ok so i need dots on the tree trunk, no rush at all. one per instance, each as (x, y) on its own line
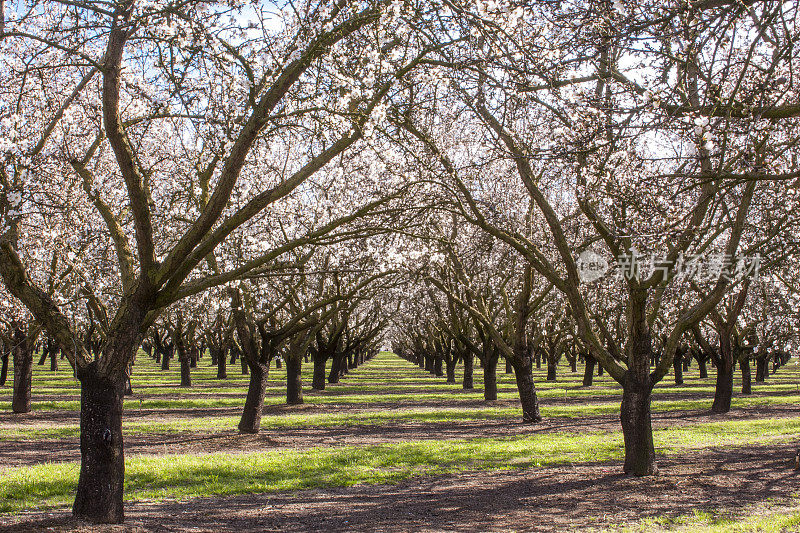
(490, 379)
(23, 373)
(701, 365)
(746, 376)
(677, 367)
(637, 430)
(527, 392)
(294, 380)
(438, 371)
(336, 365)
(99, 495)
(724, 386)
(551, 370)
(186, 372)
(54, 360)
(318, 381)
(428, 363)
(588, 371)
(450, 367)
(254, 403)
(509, 368)
(165, 360)
(469, 361)
(4, 369)
(762, 369)
(222, 365)
(245, 369)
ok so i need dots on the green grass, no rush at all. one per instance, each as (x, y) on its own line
(769, 519)
(194, 475)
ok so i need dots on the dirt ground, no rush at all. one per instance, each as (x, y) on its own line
(726, 481)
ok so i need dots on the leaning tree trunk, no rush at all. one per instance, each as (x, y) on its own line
(469, 361)
(294, 380)
(254, 403)
(637, 430)
(318, 380)
(336, 368)
(23, 374)
(527, 391)
(490, 379)
(588, 370)
(99, 494)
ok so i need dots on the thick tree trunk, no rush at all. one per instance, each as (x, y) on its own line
(469, 361)
(165, 360)
(54, 360)
(243, 361)
(222, 365)
(701, 365)
(23, 374)
(318, 381)
(762, 369)
(509, 367)
(438, 371)
(450, 367)
(551, 370)
(429, 363)
(588, 370)
(746, 376)
(186, 372)
(99, 494)
(677, 367)
(254, 403)
(724, 386)
(294, 380)
(336, 368)
(573, 365)
(637, 430)
(527, 392)
(490, 379)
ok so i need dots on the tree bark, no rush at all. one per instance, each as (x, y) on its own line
(551, 370)
(294, 380)
(4, 368)
(99, 495)
(318, 381)
(186, 372)
(677, 367)
(637, 430)
(527, 392)
(724, 386)
(438, 371)
(254, 403)
(746, 375)
(490, 379)
(23, 373)
(588, 371)
(450, 367)
(469, 361)
(222, 365)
